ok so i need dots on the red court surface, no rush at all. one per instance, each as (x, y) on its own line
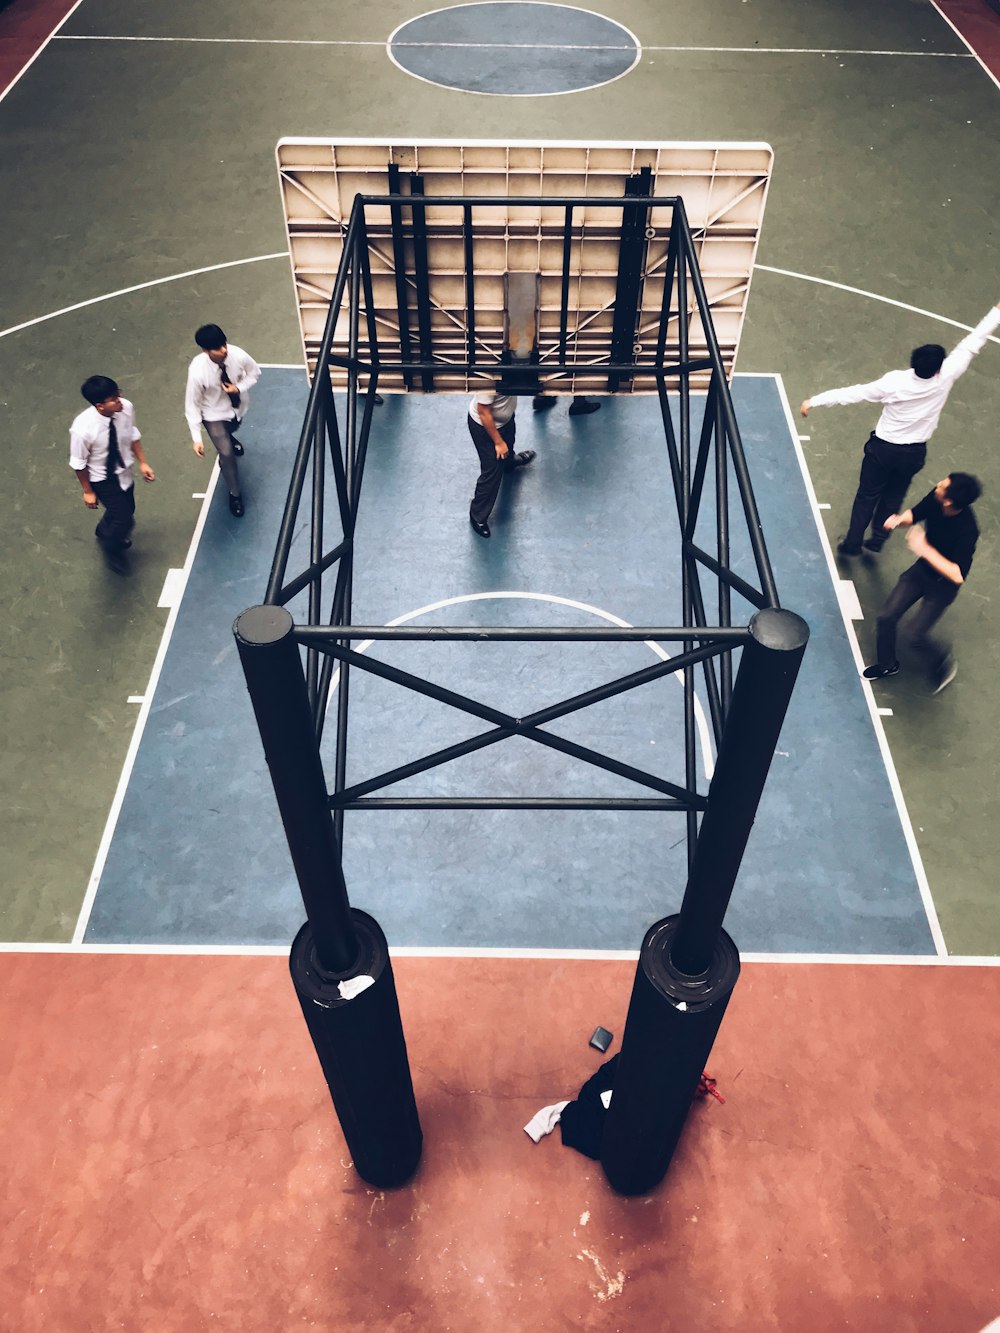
(179, 1165)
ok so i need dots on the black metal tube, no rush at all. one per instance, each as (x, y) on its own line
(671, 1027)
(564, 295)
(302, 580)
(421, 274)
(753, 595)
(362, 1052)
(729, 635)
(422, 765)
(422, 202)
(399, 265)
(651, 369)
(722, 530)
(470, 285)
(517, 803)
(768, 667)
(273, 670)
(307, 437)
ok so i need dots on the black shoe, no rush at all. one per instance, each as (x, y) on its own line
(379, 400)
(123, 546)
(873, 544)
(579, 407)
(542, 402)
(480, 529)
(238, 449)
(844, 549)
(236, 506)
(523, 458)
(880, 672)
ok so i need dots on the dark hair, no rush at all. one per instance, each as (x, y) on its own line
(209, 337)
(963, 489)
(97, 388)
(927, 360)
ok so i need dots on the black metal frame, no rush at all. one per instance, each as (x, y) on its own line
(690, 462)
(687, 965)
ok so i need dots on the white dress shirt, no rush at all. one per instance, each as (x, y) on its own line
(912, 406)
(502, 406)
(206, 400)
(88, 443)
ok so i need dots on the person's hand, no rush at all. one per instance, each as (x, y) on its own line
(90, 499)
(199, 447)
(147, 472)
(229, 388)
(893, 521)
(916, 540)
(806, 405)
(502, 450)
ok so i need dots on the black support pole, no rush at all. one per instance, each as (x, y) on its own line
(358, 1037)
(688, 965)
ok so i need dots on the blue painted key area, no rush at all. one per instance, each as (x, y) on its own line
(199, 854)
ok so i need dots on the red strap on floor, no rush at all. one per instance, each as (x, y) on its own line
(706, 1088)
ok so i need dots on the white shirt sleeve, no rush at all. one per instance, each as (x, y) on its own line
(79, 450)
(957, 362)
(192, 402)
(875, 392)
(246, 372)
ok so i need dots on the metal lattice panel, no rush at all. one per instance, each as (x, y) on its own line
(723, 186)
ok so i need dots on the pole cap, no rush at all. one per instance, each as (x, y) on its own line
(260, 626)
(780, 630)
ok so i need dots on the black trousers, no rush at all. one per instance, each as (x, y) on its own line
(491, 468)
(886, 472)
(935, 594)
(118, 518)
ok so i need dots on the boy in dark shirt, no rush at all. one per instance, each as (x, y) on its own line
(945, 548)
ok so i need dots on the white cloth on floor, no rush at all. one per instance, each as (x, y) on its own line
(544, 1121)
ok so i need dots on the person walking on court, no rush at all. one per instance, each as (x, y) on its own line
(104, 442)
(492, 427)
(219, 380)
(945, 547)
(896, 449)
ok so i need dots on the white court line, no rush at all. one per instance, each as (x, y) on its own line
(872, 296)
(173, 589)
(524, 955)
(140, 722)
(822, 506)
(972, 51)
(24, 68)
(517, 46)
(847, 596)
(880, 736)
(139, 287)
(136, 699)
(885, 712)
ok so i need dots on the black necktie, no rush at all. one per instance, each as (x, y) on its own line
(115, 460)
(234, 397)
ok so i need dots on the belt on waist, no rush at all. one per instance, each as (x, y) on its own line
(899, 444)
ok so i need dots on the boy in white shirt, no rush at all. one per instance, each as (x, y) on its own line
(104, 442)
(218, 385)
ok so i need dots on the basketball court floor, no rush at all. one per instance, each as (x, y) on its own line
(173, 1158)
